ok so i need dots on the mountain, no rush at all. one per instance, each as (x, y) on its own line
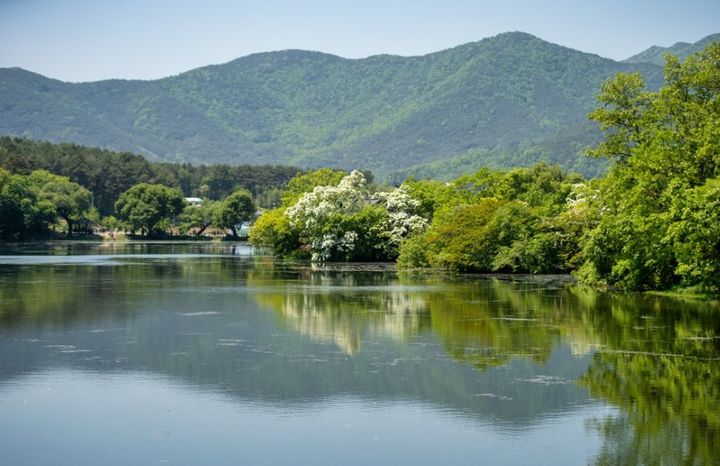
(656, 54)
(514, 98)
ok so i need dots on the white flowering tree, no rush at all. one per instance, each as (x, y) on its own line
(345, 222)
(314, 209)
(403, 218)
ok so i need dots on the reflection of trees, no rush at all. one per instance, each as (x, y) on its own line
(489, 323)
(660, 365)
(64, 293)
(340, 307)
(657, 357)
(39, 294)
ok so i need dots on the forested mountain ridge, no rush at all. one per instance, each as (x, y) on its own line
(682, 50)
(513, 98)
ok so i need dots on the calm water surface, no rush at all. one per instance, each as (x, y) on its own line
(199, 353)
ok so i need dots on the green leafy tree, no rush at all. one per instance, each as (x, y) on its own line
(107, 174)
(306, 182)
(665, 146)
(695, 235)
(149, 207)
(197, 218)
(69, 200)
(522, 220)
(16, 200)
(235, 209)
(272, 229)
(23, 213)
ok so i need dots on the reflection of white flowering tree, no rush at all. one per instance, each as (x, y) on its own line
(345, 222)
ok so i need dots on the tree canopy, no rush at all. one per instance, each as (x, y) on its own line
(235, 209)
(658, 219)
(30, 205)
(149, 207)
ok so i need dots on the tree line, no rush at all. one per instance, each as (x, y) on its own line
(652, 222)
(107, 174)
(42, 204)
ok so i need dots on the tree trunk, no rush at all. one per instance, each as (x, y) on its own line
(202, 229)
(69, 226)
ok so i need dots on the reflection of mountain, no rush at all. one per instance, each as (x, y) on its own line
(205, 321)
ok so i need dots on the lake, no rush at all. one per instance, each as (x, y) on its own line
(213, 353)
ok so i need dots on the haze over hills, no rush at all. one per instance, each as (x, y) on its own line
(508, 100)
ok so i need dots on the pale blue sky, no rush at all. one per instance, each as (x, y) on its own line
(85, 40)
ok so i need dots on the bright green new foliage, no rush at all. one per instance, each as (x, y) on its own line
(658, 218)
(695, 235)
(525, 220)
(30, 204)
(234, 210)
(69, 200)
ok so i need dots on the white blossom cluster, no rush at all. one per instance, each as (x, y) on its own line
(314, 208)
(314, 213)
(403, 219)
(580, 197)
(323, 247)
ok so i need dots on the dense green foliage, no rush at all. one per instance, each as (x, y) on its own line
(517, 221)
(523, 220)
(328, 216)
(235, 209)
(149, 208)
(145, 196)
(107, 174)
(519, 98)
(653, 222)
(30, 205)
(659, 221)
(36, 205)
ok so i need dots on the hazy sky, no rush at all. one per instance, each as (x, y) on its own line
(85, 40)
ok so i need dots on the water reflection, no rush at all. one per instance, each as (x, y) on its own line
(511, 352)
(342, 307)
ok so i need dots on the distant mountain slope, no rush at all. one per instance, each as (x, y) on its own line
(656, 54)
(508, 96)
